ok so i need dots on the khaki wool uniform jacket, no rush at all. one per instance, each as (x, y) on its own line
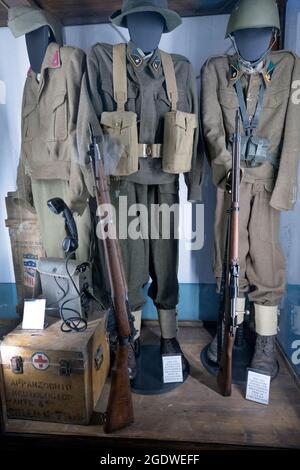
(264, 190)
(148, 98)
(279, 120)
(49, 118)
(48, 165)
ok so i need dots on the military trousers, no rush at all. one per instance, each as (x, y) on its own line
(52, 226)
(149, 251)
(262, 264)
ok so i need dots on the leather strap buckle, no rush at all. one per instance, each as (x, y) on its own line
(150, 151)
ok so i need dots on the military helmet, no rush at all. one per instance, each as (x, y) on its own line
(249, 14)
(172, 19)
(23, 19)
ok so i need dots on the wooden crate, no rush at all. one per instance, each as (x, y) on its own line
(26, 247)
(53, 376)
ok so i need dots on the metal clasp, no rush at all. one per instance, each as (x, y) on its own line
(17, 365)
(65, 368)
(149, 151)
(98, 359)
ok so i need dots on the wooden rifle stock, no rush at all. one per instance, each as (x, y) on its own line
(119, 412)
(224, 378)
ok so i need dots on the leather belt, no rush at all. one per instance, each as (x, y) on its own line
(150, 150)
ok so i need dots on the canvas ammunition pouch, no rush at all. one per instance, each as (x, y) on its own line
(179, 127)
(177, 149)
(254, 150)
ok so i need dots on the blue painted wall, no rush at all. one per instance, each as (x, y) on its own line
(8, 300)
(289, 333)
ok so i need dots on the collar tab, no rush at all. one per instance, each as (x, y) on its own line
(156, 62)
(135, 55)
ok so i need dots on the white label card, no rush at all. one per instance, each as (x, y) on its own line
(172, 369)
(34, 314)
(258, 387)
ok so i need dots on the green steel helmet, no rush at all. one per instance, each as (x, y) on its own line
(249, 14)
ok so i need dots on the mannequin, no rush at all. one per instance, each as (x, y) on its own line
(270, 146)
(37, 42)
(148, 84)
(253, 43)
(145, 30)
(48, 165)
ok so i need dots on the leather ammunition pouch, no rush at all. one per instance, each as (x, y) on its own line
(177, 149)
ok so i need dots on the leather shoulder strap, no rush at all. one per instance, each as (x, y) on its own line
(250, 126)
(170, 76)
(120, 75)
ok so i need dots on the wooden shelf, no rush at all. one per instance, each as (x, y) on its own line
(77, 12)
(194, 413)
(98, 11)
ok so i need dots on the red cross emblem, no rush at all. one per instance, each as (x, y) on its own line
(40, 361)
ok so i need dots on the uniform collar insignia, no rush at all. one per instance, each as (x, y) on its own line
(156, 61)
(55, 59)
(139, 59)
(268, 72)
(52, 58)
(135, 55)
(234, 71)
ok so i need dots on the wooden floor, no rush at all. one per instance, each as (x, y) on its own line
(196, 413)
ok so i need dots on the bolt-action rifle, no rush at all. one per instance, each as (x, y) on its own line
(231, 270)
(119, 411)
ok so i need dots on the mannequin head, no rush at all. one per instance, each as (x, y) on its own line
(37, 42)
(253, 43)
(146, 29)
(251, 24)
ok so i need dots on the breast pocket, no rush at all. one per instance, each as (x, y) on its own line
(228, 99)
(276, 99)
(30, 121)
(59, 118)
(229, 105)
